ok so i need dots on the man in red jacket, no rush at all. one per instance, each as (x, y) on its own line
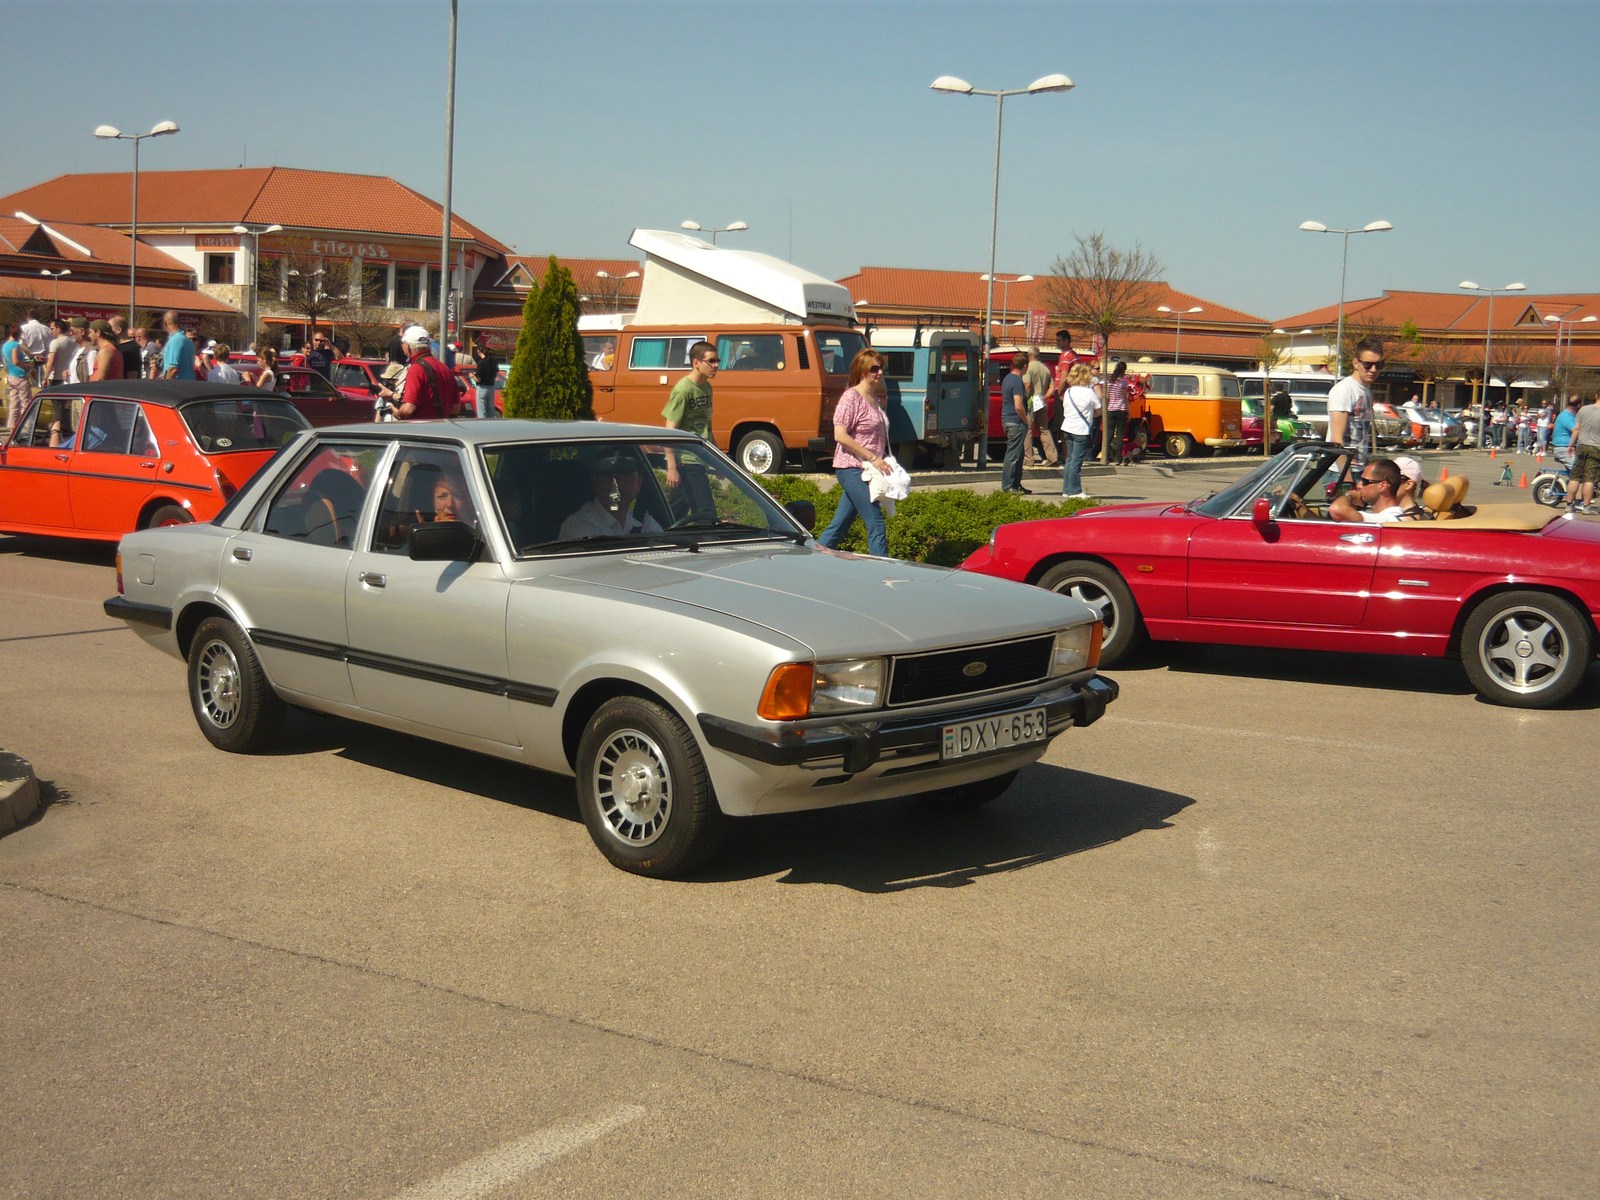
(430, 393)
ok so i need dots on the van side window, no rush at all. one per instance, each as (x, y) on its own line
(750, 352)
(804, 357)
(1230, 387)
(1182, 385)
(899, 365)
(1252, 387)
(661, 353)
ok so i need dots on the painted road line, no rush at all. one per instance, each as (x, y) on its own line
(489, 1172)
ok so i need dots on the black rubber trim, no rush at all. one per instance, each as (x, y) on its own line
(145, 614)
(157, 481)
(527, 693)
(862, 741)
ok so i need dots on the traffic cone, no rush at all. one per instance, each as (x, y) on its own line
(1444, 473)
(1523, 482)
(1491, 452)
(1539, 457)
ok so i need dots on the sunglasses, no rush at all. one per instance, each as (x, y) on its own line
(1369, 366)
(1365, 482)
(874, 370)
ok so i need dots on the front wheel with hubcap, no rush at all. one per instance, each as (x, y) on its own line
(1526, 649)
(1178, 445)
(233, 702)
(760, 452)
(1550, 490)
(1102, 589)
(643, 789)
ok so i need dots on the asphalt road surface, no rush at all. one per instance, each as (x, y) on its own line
(1280, 924)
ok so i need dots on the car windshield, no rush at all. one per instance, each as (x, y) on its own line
(1308, 474)
(230, 426)
(586, 496)
(1220, 504)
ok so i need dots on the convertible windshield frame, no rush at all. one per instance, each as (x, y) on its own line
(781, 525)
(1293, 464)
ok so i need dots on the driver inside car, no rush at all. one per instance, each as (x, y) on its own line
(610, 513)
(1375, 498)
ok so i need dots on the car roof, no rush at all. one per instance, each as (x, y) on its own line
(478, 431)
(169, 393)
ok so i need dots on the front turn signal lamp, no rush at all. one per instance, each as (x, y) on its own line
(787, 696)
(1078, 648)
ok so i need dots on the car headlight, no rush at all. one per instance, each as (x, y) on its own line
(847, 685)
(1077, 649)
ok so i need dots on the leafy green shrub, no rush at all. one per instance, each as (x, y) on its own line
(549, 376)
(937, 527)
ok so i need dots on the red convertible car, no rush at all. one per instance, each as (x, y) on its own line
(1513, 590)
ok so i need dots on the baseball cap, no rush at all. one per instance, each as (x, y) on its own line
(1410, 468)
(415, 335)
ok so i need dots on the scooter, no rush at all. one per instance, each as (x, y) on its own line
(1550, 487)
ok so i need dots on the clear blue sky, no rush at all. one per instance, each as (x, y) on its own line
(1207, 131)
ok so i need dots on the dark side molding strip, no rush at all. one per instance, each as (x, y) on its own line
(131, 610)
(409, 668)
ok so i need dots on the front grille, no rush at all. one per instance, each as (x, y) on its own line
(917, 678)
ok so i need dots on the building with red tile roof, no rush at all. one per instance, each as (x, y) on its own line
(605, 285)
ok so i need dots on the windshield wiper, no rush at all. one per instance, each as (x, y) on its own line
(597, 541)
(699, 526)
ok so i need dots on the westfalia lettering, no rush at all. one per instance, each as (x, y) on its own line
(350, 249)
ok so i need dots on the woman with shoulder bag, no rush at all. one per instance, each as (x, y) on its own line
(861, 436)
(1079, 403)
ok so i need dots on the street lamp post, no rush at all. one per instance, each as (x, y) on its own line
(1180, 313)
(58, 274)
(617, 296)
(1344, 260)
(109, 133)
(736, 227)
(255, 268)
(1561, 324)
(952, 86)
(1005, 294)
(1488, 333)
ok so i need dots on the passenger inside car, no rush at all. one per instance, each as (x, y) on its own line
(609, 513)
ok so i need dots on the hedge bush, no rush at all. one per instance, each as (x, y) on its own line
(938, 527)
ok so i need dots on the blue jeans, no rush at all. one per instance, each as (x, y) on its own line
(1016, 443)
(485, 400)
(856, 500)
(1077, 451)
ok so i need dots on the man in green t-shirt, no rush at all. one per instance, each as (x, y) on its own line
(689, 405)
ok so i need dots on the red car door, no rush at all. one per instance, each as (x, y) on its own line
(114, 467)
(33, 473)
(1296, 572)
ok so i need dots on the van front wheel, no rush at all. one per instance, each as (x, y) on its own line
(1178, 445)
(760, 452)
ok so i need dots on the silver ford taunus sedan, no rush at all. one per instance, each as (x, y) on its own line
(615, 602)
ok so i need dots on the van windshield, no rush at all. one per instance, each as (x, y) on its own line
(838, 348)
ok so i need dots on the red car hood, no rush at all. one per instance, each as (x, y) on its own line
(1153, 508)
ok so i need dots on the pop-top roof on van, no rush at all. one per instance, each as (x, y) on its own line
(688, 281)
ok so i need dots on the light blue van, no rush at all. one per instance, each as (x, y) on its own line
(934, 381)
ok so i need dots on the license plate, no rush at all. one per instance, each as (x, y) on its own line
(994, 733)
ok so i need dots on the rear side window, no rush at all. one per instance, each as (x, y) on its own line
(320, 504)
(661, 353)
(751, 352)
(108, 428)
(899, 365)
(1175, 385)
(1230, 387)
(229, 426)
(804, 357)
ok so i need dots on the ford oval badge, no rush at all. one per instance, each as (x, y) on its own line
(973, 669)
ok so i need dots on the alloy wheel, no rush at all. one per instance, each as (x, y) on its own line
(1523, 649)
(633, 786)
(218, 682)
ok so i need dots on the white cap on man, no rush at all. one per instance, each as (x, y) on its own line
(415, 335)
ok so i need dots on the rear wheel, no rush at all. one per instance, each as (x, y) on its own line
(1178, 445)
(1102, 589)
(169, 514)
(1526, 649)
(643, 789)
(233, 702)
(1549, 489)
(760, 452)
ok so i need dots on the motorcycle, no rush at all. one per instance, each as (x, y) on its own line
(1550, 487)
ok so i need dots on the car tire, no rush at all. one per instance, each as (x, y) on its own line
(233, 701)
(1178, 445)
(972, 795)
(760, 452)
(1102, 589)
(1526, 649)
(169, 514)
(644, 791)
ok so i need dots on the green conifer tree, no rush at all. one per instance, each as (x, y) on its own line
(549, 378)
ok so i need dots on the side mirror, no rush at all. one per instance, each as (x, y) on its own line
(803, 511)
(443, 541)
(1260, 513)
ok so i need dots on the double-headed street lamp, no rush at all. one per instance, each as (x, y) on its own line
(255, 233)
(1344, 259)
(617, 291)
(109, 133)
(952, 86)
(1005, 295)
(1561, 324)
(1180, 313)
(736, 227)
(56, 275)
(1488, 333)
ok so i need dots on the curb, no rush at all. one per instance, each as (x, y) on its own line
(19, 791)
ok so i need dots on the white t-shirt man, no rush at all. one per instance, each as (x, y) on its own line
(1393, 513)
(36, 337)
(1352, 396)
(595, 520)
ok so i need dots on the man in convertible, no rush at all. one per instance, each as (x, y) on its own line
(1376, 496)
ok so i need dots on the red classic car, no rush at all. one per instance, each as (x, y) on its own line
(1513, 590)
(99, 460)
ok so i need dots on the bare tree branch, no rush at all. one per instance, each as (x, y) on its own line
(1103, 289)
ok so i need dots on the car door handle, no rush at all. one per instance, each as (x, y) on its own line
(242, 553)
(149, 466)
(373, 579)
(63, 457)
(1356, 539)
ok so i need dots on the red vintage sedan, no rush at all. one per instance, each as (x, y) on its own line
(99, 460)
(1512, 591)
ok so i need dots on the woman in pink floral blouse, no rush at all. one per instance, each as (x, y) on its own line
(860, 435)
